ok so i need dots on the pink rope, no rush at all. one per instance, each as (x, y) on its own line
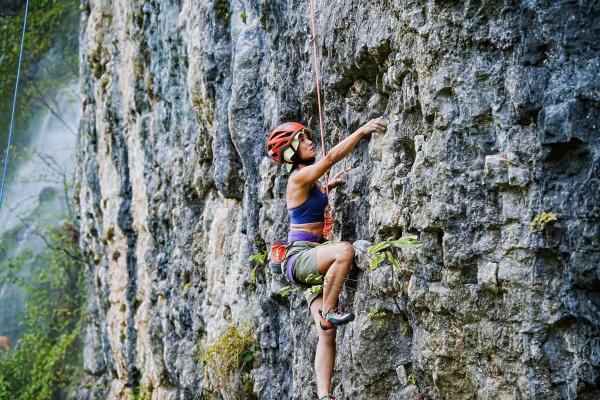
(328, 228)
(317, 72)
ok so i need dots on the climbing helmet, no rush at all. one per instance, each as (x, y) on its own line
(283, 141)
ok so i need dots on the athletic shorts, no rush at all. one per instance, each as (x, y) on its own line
(305, 267)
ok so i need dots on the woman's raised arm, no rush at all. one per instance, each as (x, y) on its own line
(310, 174)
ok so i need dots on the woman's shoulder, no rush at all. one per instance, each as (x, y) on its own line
(293, 183)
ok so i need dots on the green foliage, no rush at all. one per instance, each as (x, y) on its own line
(412, 379)
(222, 9)
(541, 221)
(228, 355)
(4, 388)
(382, 251)
(46, 20)
(51, 25)
(47, 362)
(259, 260)
(286, 290)
(141, 393)
(244, 16)
(380, 315)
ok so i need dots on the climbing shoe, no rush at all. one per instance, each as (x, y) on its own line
(334, 318)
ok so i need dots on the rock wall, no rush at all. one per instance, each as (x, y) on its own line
(493, 111)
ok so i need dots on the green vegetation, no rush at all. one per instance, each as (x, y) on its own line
(222, 9)
(228, 356)
(541, 221)
(380, 315)
(259, 260)
(52, 25)
(382, 251)
(141, 394)
(243, 16)
(47, 20)
(412, 379)
(287, 290)
(47, 362)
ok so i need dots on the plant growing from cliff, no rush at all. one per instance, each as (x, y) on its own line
(47, 363)
(287, 290)
(228, 356)
(259, 260)
(541, 221)
(380, 315)
(243, 16)
(382, 251)
(412, 379)
(222, 9)
(141, 393)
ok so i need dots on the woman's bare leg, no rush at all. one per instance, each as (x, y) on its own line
(325, 354)
(334, 262)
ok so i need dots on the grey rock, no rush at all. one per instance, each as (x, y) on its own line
(487, 276)
(493, 113)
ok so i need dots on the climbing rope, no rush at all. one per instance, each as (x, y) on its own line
(12, 117)
(328, 227)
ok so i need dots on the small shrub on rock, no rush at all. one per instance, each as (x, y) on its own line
(227, 357)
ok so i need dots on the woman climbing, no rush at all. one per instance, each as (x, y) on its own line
(312, 262)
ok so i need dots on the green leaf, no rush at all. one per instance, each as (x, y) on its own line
(259, 258)
(407, 242)
(377, 259)
(248, 357)
(253, 275)
(286, 290)
(376, 248)
(412, 379)
(392, 260)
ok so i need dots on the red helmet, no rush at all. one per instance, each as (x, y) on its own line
(281, 137)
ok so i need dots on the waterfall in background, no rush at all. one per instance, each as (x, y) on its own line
(38, 193)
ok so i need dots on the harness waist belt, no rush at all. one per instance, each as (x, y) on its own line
(300, 236)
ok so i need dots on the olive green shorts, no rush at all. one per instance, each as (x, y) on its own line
(305, 267)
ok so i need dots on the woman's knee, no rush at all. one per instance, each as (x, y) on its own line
(345, 252)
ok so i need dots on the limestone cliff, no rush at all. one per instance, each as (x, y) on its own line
(493, 109)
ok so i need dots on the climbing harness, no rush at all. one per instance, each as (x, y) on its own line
(12, 117)
(328, 227)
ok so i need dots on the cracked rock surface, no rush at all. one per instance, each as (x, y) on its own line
(494, 113)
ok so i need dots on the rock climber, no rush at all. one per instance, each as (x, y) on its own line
(311, 261)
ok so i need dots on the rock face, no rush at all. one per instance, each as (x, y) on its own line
(493, 110)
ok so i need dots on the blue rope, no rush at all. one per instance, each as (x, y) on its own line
(12, 118)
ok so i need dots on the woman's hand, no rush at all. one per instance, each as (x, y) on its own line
(336, 180)
(378, 125)
(308, 175)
